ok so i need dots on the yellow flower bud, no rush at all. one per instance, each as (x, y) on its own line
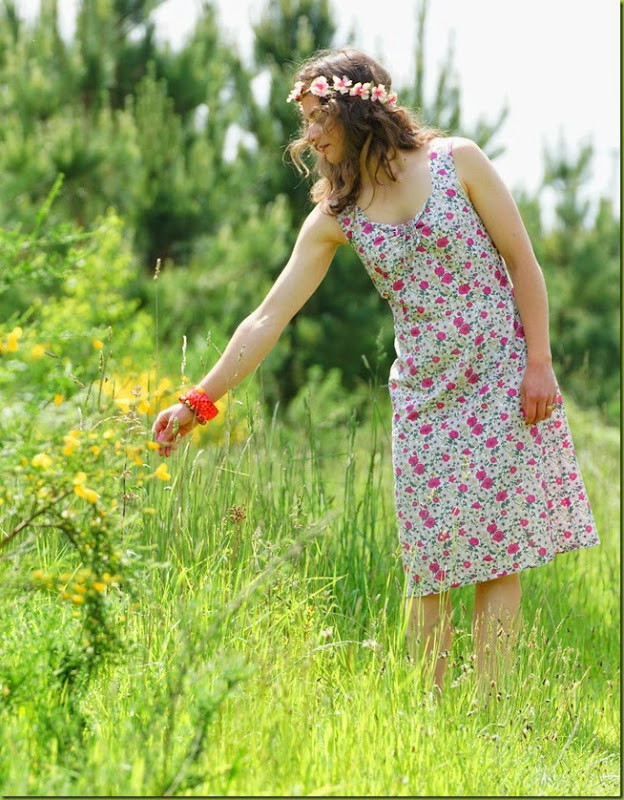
(41, 460)
(162, 472)
(86, 494)
(12, 340)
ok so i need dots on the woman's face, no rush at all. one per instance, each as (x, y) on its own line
(324, 133)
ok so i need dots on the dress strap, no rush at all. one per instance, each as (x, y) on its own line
(442, 164)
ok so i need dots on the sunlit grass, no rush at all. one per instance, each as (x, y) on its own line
(265, 654)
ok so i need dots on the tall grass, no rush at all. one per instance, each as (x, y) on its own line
(265, 652)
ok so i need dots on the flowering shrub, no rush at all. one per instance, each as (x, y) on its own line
(79, 393)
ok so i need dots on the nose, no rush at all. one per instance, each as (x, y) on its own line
(313, 133)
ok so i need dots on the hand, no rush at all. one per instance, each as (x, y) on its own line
(171, 425)
(538, 392)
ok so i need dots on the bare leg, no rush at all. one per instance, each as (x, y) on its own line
(430, 633)
(495, 626)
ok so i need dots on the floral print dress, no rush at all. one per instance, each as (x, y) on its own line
(478, 493)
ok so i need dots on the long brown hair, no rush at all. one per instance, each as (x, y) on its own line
(384, 128)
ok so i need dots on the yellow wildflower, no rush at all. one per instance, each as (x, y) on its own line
(12, 340)
(58, 399)
(98, 344)
(87, 494)
(95, 449)
(152, 445)
(80, 478)
(80, 589)
(124, 404)
(144, 407)
(71, 442)
(99, 587)
(162, 472)
(41, 460)
(37, 351)
(77, 599)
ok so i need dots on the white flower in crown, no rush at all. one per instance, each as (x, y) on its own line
(320, 86)
(296, 92)
(360, 90)
(379, 93)
(342, 84)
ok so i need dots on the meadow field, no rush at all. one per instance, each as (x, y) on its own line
(230, 621)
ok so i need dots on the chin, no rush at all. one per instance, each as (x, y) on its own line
(331, 158)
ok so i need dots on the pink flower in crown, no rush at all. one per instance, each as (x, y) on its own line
(360, 90)
(391, 98)
(295, 94)
(342, 84)
(379, 93)
(320, 86)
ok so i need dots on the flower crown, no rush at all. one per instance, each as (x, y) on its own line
(321, 88)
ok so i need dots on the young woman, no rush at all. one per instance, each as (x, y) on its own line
(486, 479)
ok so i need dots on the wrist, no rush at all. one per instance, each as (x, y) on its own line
(197, 401)
(539, 360)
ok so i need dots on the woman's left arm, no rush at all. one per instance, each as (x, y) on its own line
(503, 222)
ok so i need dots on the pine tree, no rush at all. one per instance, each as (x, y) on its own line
(581, 258)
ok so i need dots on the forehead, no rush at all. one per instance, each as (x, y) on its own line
(310, 105)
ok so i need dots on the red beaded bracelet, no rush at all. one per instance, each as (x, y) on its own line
(197, 400)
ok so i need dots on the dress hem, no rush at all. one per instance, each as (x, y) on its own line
(502, 574)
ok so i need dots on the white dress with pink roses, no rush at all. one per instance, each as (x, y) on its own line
(478, 494)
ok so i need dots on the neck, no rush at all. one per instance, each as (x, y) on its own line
(370, 173)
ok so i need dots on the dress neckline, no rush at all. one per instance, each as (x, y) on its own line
(412, 220)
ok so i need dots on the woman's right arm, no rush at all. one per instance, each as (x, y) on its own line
(256, 335)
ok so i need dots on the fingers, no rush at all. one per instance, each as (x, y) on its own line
(537, 410)
(170, 426)
(160, 423)
(528, 406)
(540, 410)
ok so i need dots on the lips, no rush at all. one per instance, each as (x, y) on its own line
(322, 148)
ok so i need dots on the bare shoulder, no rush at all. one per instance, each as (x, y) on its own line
(471, 163)
(467, 154)
(324, 227)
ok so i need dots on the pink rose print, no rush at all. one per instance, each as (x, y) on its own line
(478, 495)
